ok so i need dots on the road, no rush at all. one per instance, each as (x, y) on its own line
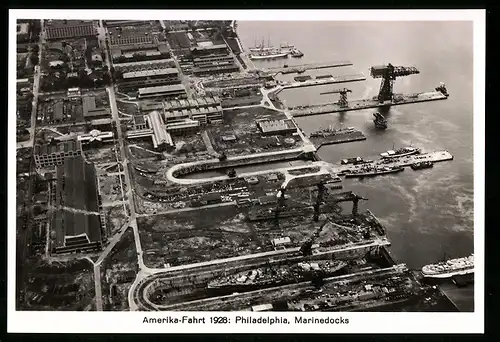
(129, 194)
(36, 92)
(182, 210)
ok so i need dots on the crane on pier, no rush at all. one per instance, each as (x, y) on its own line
(388, 74)
(343, 95)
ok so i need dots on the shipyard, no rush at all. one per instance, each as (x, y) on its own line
(161, 167)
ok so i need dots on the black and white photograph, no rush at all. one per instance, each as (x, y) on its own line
(266, 166)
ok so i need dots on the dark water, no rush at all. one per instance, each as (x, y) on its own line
(427, 213)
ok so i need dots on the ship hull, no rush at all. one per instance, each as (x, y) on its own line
(273, 283)
(448, 274)
(274, 56)
(372, 174)
(400, 155)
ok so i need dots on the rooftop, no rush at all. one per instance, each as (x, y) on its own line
(90, 107)
(65, 146)
(162, 89)
(154, 72)
(77, 189)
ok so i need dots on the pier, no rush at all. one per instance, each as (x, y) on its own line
(303, 67)
(437, 156)
(319, 141)
(322, 81)
(398, 99)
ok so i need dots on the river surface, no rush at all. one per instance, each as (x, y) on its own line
(427, 213)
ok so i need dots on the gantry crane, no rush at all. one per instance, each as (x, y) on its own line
(306, 248)
(343, 95)
(388, 74)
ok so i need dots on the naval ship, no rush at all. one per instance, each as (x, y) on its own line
(450, 268)
(332, 131)
(270, 275)
(372, 171)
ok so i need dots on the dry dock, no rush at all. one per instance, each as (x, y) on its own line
(435, 157)
(399, 99)
(303, 67)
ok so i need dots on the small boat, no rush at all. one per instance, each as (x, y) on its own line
(296, 53)
(379, 121)
(422, 165)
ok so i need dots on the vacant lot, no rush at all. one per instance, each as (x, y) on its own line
(59, 286)
(242, 124)
(118, 272)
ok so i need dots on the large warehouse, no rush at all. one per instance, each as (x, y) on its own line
(76, 220)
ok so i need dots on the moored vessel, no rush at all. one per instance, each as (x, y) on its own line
(332, 131)
(450, 268)
(422, 165)
(269, 54)
(296, 53)
(372, 171)
(379, 121)
(401, 152)
(275, 275)
(354, 160)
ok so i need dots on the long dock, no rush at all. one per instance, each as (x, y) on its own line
(303, 67)
(399, 99)
(437, 156)
(319, 141)
(322, 81)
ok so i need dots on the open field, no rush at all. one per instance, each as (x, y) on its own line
(118, 271)
(242, 124)
(59, 286)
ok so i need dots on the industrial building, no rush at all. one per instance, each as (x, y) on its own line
(76, 219)
(274, 127)
(161, 138)
(123, 50)
(208, 50)
(54, 154)
(133, 80)
(186, 126)
(95, 136)
(203, 109)
(145, 65)
(118, 23)
(91, 111)
(212, 60)
(174, 90)
(139, 122)
(63, 29)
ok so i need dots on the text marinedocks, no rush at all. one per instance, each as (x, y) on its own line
(245, 320)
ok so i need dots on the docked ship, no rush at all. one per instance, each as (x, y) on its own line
(332, 131)
(269, 54)
(422, 165)
(269, 51)
(442, 89)
(270, 275)
(354, 160)
(372, 171)
(402, 152)
(296, 53)
(450, 268)
(379, 121)
(259, 48)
